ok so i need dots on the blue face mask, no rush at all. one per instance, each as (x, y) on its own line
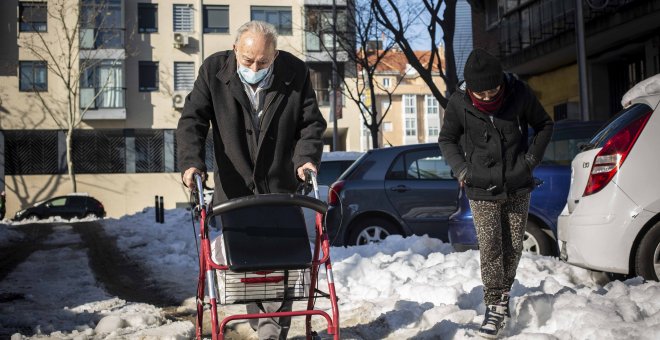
(250, 76)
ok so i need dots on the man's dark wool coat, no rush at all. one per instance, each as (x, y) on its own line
(248, 160)
(498, 157)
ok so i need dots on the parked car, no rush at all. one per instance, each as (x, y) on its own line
(398, 190)
(69, 206)
(410, 190)
(611, 220)
(548, 199)
(333, 164)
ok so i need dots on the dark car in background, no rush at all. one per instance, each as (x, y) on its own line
(410, 190)
(333, 164)
(67, 207)
(399, 190)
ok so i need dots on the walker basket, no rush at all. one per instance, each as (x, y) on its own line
(263, 286)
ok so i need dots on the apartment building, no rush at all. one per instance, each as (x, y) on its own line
(411, 113)
(537, 40)
(119, 71)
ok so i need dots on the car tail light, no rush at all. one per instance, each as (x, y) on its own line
(333, 193)
(610, 158)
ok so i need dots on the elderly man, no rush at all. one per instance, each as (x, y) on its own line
(266, 124)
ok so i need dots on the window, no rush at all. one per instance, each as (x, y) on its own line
(432, 118)
(388, 127)
(101, 84)
(420, 165)
(331, 170)
(101, 24)
(384, 106)
(280, 17)
(320, 75)
(148, 74)
(319, 28)
(386, 83)
(431, 105)
(184, 76)
(58, 202)
(33, 16)
(410, 118)
(147, 18)
(33, 76)
(216, 19)
(183, 18)
(493, 10)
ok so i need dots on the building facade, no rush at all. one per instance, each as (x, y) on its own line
(408, 111)
(462, 36)
(537, 40)
(118, 71)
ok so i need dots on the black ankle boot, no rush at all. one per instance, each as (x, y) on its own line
(494, 321)
(504, 301)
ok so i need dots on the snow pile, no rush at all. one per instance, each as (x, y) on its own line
(403, 288)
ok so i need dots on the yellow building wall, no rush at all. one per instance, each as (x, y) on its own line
(120, 194)
(556, 87)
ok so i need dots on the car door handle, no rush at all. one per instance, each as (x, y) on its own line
(400, 188)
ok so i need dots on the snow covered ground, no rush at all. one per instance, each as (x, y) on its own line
(412, 288)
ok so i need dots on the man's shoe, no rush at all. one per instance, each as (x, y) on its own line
(494, 321)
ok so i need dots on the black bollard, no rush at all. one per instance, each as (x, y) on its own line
(162, 210)
(157, 208)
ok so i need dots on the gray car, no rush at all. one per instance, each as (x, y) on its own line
(401, 190)
(333, 164)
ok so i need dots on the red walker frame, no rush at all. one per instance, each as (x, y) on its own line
(207, 267)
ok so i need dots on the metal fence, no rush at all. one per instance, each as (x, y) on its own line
(41, 152)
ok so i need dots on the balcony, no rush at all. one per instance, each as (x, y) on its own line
(103, 103)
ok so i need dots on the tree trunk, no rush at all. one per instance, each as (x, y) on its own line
(69, 158)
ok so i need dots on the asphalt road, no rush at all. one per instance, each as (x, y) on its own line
(113, 270)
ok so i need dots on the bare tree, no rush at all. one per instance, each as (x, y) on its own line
(82, 37)
(396, 16)
(363, 46)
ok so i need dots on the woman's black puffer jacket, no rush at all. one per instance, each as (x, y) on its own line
(494, 150)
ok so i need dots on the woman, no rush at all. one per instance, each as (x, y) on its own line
(485, 141)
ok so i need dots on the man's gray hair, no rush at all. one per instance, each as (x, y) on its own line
(256, 26)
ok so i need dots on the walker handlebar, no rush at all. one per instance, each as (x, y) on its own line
(270, 199)
(200, 188)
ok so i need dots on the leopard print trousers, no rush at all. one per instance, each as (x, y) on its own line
(500, 228)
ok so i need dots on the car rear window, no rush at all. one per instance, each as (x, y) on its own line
(618, 122)
(331, 170)
(76, 201)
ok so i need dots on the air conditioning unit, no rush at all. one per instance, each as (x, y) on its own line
(180, 39)
(178, 99)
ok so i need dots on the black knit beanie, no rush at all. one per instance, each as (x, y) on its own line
(483, 71)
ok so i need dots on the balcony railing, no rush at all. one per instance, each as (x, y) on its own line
(537, 21)
(93, 98)
(101, 38)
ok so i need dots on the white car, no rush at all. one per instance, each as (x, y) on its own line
(611, 222)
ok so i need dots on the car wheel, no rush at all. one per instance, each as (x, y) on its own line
(536, 241)
(371, 230)
(647, 259)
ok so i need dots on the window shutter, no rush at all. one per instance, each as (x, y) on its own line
(183, 18)
(184, 76)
